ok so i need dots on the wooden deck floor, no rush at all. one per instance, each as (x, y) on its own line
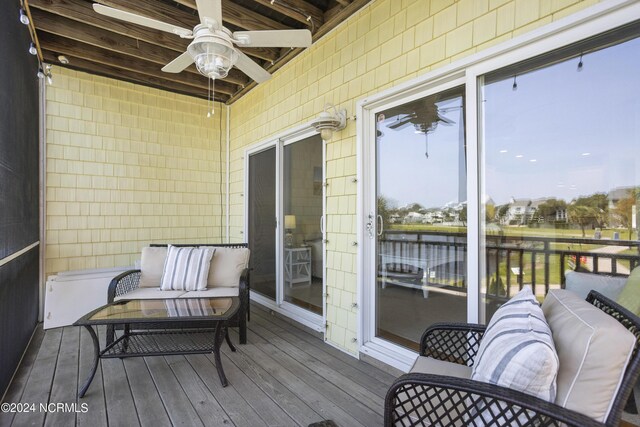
(283, 377)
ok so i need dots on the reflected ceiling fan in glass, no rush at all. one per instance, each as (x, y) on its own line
(424, 115)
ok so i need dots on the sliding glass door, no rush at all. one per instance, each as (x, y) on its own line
(417, 229)
(561, 167)
(302, 235)
(284, 222)
(262, 225)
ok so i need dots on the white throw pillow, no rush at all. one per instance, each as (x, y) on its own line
(517, 350)
(151, 266)
(186, 268)
(227, 266)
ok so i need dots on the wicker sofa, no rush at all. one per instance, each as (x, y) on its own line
(229, 276)
(439, 391)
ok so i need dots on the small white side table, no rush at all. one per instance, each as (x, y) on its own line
(297, 265)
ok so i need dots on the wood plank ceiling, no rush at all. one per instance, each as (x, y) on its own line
(101, 45)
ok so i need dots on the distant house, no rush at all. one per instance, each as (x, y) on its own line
(618, 194)
(518, 212)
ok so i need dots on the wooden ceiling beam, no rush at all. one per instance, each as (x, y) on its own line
(115, 42)
(163, 12)
(129, 76)
(81, 11)
(299, 10)
(330, 24)
(87, 52)
(241, 17)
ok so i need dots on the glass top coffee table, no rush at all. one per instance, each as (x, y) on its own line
(201, 323)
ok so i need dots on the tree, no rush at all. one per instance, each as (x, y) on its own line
(502, 211)
(582, 215)
(624, 208)
(462, 216)
(599, 203)
(384, 210)
(547, 209)
(490, 212)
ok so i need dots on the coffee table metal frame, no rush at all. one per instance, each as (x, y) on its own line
(191, 339)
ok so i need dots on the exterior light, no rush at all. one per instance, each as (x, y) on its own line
(32, 49)
(23, 17)
(328, 122)
(63, 59)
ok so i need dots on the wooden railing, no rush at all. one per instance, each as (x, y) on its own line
(511, 261)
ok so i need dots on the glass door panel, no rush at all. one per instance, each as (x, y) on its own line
(262, 222)
(302, 212)
(561, 177)
(420, 222)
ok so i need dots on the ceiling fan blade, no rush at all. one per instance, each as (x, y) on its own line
(210, 9)
(140, 20)
(274, 38)
(252, 69)
(178, 64)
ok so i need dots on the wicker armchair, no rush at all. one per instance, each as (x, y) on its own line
(129, 280)
(438, 400)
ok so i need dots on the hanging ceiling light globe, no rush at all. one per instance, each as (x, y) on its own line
(213, 55)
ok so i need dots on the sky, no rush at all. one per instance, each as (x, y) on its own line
(563, 133)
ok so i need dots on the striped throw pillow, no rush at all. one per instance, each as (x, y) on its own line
(517, 350)
(186, 268)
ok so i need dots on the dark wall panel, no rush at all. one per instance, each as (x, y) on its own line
(19, 181)
(18, 134)
(18, 311)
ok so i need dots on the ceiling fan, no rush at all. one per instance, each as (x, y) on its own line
(213, 48)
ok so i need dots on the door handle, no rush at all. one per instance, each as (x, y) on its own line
(381, 221)
(322, 224)
(369, 226)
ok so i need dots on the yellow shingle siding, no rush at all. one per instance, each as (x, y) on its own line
(128, 165)
(385, 43)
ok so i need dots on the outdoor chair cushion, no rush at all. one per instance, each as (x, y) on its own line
(156, 293)
(151, 266)
(629, 298)
(227, 266)
(593, 349)
(582, 283)
(429, 365)
(212, 292)
(517, 349)
(186, 268)
(150, 293)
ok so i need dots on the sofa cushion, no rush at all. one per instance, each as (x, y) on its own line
(212, 292)
(517, 349)
(227, 266)
(151, 266)
(582, 283)
(629, 298)
(186, 268)
(149, 293)
(429, 365)
(593, 349)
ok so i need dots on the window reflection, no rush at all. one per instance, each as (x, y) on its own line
(561, 170)
(421, 222)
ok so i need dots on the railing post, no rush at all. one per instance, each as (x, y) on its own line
(546, 267)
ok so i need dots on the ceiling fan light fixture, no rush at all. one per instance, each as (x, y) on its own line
(213, 56)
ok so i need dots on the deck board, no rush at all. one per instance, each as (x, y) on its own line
(283, 376)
